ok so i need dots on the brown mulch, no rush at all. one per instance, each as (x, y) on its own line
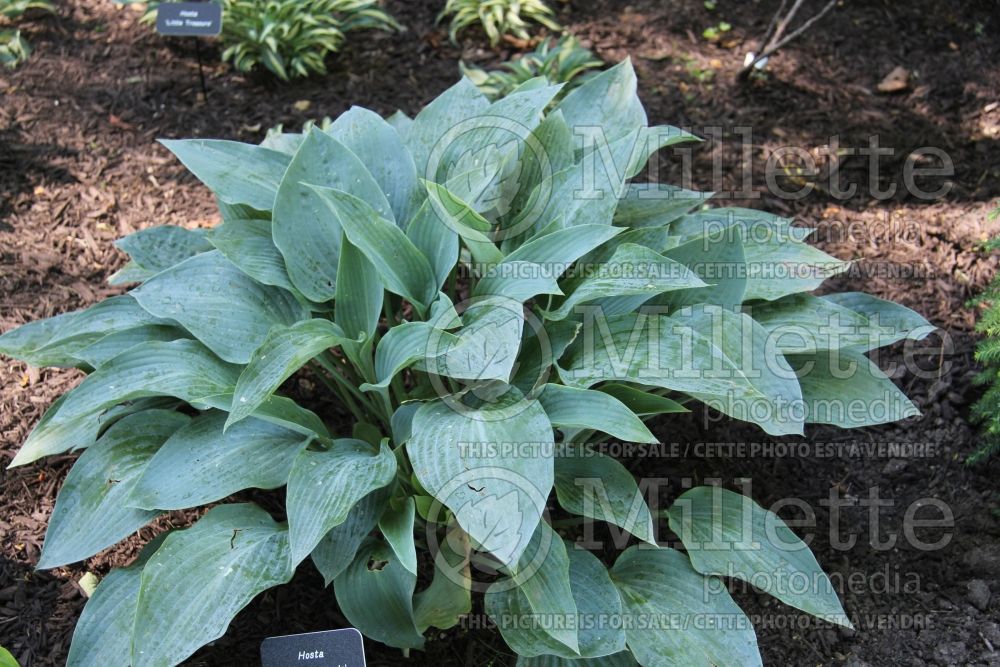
(79, 167)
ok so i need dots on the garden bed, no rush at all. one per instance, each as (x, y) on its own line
(79, 167)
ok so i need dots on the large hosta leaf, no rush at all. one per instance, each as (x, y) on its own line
(201, 463)
(195, 583)
(448, 596)
(608, 100)
(594, 485)
(404, 345)
(338, 547)
(460, 102)
(457, 454)
(92, 511)
(396, 525)
(892, 321)
(376, 594)
(157, 248)
(247, 243)
(221, 306)
(237, 173)
(676, 617)
(324, 485)
(486, 346)
(729, 535)
(805, 323)
(585, 408)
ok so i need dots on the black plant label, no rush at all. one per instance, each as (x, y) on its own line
(189, 19)
(331, 648)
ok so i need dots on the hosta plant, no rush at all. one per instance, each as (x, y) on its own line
(14, 49)
(498, 18)
(565, 61)
(292, 38)
(486, 292)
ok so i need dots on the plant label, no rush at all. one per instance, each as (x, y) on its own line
(330, 648)
(189, 19)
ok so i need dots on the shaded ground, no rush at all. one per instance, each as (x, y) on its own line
(79, 167)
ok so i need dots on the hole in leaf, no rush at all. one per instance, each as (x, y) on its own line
(376, 565)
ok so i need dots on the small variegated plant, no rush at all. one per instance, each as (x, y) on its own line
(498, 18)
(487, 292)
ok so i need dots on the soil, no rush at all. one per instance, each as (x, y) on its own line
(80, 167)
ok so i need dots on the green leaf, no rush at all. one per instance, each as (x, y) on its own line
(893, 321)
(803, 323)
(92, 510)
(557, 250)
(448, 597)
(220, 305)
(6, 659)
(655, 204)
(305, 231)
(584, 408)
(460, 217)
(595, 598)
(405, 344)
(436, 240)
(726, 534)
(608, 100)
(540, 588)
(846, 389)
(642, 403)
(719, 262)
(247, 243)
(460, 102)
(497, 499)
(359, 293)
(184, 369)
(633, 270)
(324, 485)
(382, 151)
(397, 528)
(201, 463)
(108, 347)
(486, 346)
(594, 485)
(376, 595)
(338, 547)
(103, 634)
(284, 351)
(517, 280)
(237, 173)
(154, 249)
(403, 268)
(195, 583)
(696, 620)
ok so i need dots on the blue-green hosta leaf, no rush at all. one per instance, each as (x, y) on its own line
(649, 141)
(195, 583)
(237, 173)
(247, 243)
(284, 351)
(676, 617)
(460, 217)
(437, 241)
(486, 346)
(157, 248)
(108, 347)
(280, 411)
(220, 305)
(324, 485)
(594, 485)
(657, 351)
(200, 463)
(305, 230)
(596, 601)
(459, 103)
(609, 101)
(397, 528)
(644, 403)
(405, 344)
(777, 408)
(657, 239)
(359, 294)
(622, 659)
(847, 389)
(726, 534)
(449, 595)
(781, 266)
(400, 122)
(375, 593)
(382, 151)
(185, 369)
(56, 340)
(103, 635)
(404, 269)
(656, 204)
(92, 509)
(55, 436)
(803, 323)
(632, 270)
(338, 547)
(283, 142)
(548, 151)
(893, 321)
(541, 589)
(457, 454)
(586, 408)
(517, 280)
(402, 421)
(720, 262)
(558, 250)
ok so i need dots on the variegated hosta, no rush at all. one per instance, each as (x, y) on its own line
(487, 293)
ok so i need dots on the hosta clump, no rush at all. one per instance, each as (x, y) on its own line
(565, 61)
(14, 49)
(291, 38)
(489, 293)
(498, 18)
